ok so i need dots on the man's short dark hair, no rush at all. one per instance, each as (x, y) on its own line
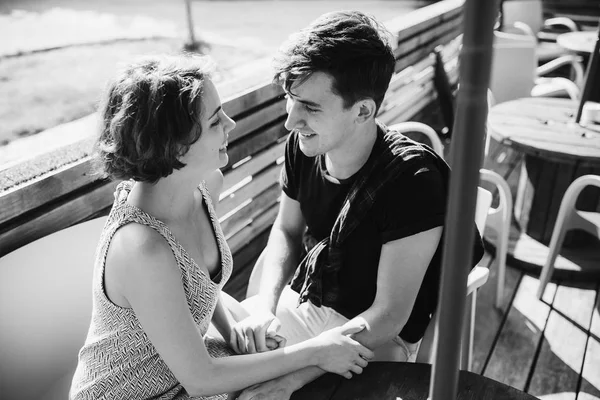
(348, 45)
(150, 116)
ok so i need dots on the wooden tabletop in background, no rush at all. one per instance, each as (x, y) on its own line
(391, 380)
(544, 127)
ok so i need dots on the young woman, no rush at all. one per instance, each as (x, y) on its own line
(162, 259)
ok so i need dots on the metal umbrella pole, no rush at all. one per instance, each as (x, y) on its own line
(190, 23)
(466, 157)
(591, 77)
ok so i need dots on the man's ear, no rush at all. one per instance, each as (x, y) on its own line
(366, 110)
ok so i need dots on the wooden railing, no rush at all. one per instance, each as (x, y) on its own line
(73, 193)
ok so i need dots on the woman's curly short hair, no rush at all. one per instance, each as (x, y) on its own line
(150, 116)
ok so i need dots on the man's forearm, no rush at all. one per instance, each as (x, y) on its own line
(378, 330)
(380, 327)
(279, 265)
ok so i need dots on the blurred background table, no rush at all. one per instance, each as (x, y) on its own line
(556, 151)
(391, 380)
(578, 42)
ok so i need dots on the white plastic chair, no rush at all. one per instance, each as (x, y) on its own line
(530, 13)
(515, 72)
(569, 218)
(499, 218)
(477, 277)
(410, 126)
(45, 309)
(526, 17)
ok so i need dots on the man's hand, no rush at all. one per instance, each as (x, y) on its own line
(256, 334)
(275, 389)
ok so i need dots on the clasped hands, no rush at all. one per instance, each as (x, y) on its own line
(256, 334)
(338, 352)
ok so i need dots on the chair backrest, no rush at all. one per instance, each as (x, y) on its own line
(429, 132)
(529, 12)
(45, 309)
(491, 102)
(484, 202)
(513, 66)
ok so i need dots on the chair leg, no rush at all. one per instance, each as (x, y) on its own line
(501, 257)
(500, 221)
(567, 219)
(495, 222)
(558, 237)
(503, 237)
(468, 332)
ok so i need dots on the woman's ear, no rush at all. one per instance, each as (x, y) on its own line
(366, 110)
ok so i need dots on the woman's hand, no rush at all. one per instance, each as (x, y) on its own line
(275, 342)
(256, 334)
(338, 353)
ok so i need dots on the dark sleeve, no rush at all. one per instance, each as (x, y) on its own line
(287, 179)
(478, 248)
(414, 202)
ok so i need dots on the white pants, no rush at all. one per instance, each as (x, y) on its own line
(299, 323)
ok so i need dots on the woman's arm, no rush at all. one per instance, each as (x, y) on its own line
(151, 282)
(229, 311)
(223, 319)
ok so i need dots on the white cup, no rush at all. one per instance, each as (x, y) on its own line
(590, 114)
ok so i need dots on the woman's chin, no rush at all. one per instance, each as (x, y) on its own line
(223, 159)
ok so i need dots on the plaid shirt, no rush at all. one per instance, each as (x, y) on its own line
(316, 277)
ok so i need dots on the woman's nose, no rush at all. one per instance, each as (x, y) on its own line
(230, 124)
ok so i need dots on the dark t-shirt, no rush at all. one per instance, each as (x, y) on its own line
(413, 203)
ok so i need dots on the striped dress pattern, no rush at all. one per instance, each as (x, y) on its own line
(117, 360)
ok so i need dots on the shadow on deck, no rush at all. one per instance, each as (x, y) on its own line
(549, 348)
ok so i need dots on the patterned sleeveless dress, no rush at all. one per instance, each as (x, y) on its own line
(117, 360)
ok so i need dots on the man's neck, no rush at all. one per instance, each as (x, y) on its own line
(344, 162)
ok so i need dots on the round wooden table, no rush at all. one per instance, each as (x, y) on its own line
(391, 380)
(578, 42)
(556, 152)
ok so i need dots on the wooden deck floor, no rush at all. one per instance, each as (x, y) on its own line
(549, 348)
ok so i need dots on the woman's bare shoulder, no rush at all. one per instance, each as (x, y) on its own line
(137, 250)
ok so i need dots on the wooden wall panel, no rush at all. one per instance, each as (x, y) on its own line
(71, 194)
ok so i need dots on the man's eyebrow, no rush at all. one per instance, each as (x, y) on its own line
(216, 111)
(306, 102)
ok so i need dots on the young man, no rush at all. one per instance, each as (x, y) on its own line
(361, 217)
